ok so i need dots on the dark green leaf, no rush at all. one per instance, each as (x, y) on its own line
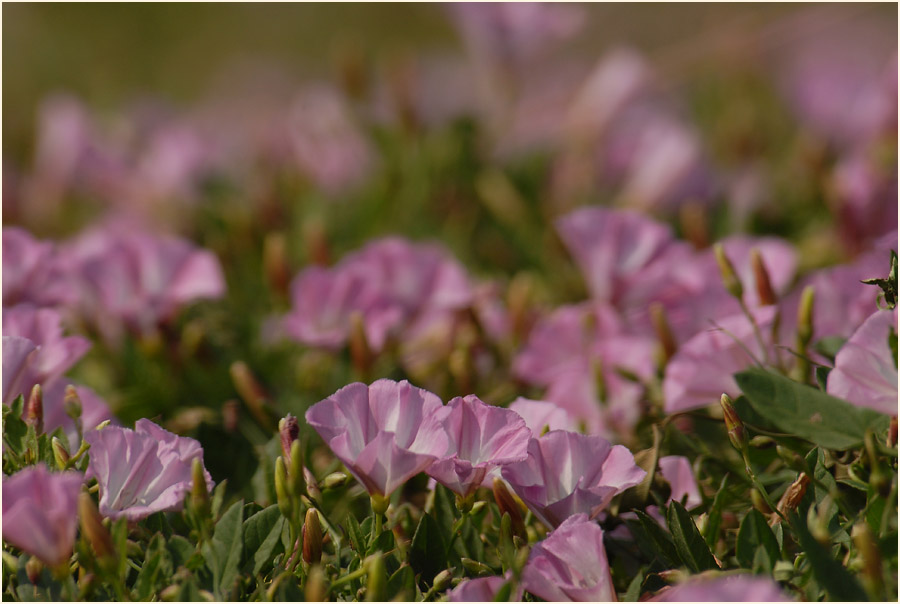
(822, 377)
(807, 412)
(357, 541)
(428, 551)
(180, 549)
(829, 573)
(384, 542)
(262, 538)
(689, 543)
(218, 496)
(753, 534)
(402, 583)
(662, 544)
(715, 514)
(634, 588)
(14, 429)
(828, 347)
(223, 551)
(155, 570)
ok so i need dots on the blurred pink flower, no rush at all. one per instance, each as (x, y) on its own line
(40, 512)
(703, 368)
(864, 196)
(133, 278)
(570, 565)
(483, 589)
(482, 438)
(567, 473)
(865, 368)
(676, 470)
(94, 410)
(730, 588)
(17, 355)
(141, 471)
(31, 272)
(541, 415)
(380, 432)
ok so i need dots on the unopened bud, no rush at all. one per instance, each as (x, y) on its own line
(805, 317)
(672, 576)
(312, 537)
(316, 588)
(508, 505)
(872, 569)
(275, 262)
(360, 351)
(295, 476)
(663, 330)
(762, 442)
(729, 277)
(281, 490)
(316, 240)
(92, 528)
(477, 507)
(599, 380)
(335, 480)
(476, 568)
(312, 490)
(442, 580)
(230, 415)
(464, 504)
(34, 568)
(376, 583)
(892, 433)
(764, 290)
(72, 403)
(34, 409)
(794, 494)
(170, 593)
(692, 216)
(733, 423)
(199, 491)
(759, 502)
(288, 430)
(60, 454)
(248, 388)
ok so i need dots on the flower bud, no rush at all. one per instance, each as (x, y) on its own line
(288, 431)
(507, 504)
(360, 351)
(316, 239)
(199, 492)
(729, 277)
(376, 583)
(762, 442)
(249, 390)
(60, 455)
(761, 279)
(794, 494)
(759, 502)
(892, 433)
(673, 576)
(733, 423)
(663, 330)
(380, 503)
(335, 480)
(92, 528)
(805, 317)
(34, 409)
(312, 490)
(230, 415)
(275, 264)
(312, 537)
(872, 569)
(692, 216)
(476, 568)
(34, 568)
(295, 476)
(316, 588)
(72, 403)
(281, 490)
(170, 593)
(442, 580)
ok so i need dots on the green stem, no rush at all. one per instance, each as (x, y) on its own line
(357, 574)
(759, 486)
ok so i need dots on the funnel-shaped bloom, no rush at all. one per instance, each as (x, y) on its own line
(733, 588)
(39, 512)
(483, 589)
(865, 368)
(482, 438)
(141, 471)
(541, 415)
(30, 270)
(567, 473)
(379, 431)
(17, 355)
(570, 565)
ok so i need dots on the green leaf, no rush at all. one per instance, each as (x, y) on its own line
(14, 429)
(180, 549)
(223, 551)
(715, 514)
(156, 569)
(829, 346)
(689, 543)
(402, 584)
(262, 538)
(634, 588)
(218, 496)
(428, 551)
(807, 412)
(357, 541)
(754, 534)
(829, 573)
(661, 541)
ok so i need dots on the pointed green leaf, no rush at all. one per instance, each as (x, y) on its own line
(262, 538)
(689, 543)
(428, 551)
(829, 573)
(715, 514)
(660, 541)
(223, 551)
(755, 533)
(156, 569)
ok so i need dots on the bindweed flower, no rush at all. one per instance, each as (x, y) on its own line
(39, 512)
(31, 272)
(570, 565)
(702, 369)
(483, 589)
(733, 588)
(141, 471)
(542, 416)
(865, 368)
(17, 354)
(377, 431)
(482, 438)
(676, 470)
(568, 473)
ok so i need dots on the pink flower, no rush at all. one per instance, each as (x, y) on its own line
(132, 277)
(483, 589)
(56, 353)
(570, 565)
(730, 588)
(31, 272)
(703, 368)
(94, 410)
(865, 368)
(141, 471)
(17, 354)
(482, 438)
(40, 512)
(677, 472)
(542, 415)
(567, 473)
(380, 431)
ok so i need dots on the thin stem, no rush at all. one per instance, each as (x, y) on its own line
(756, 332)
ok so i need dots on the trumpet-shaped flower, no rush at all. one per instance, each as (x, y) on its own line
(570, 565)
(39, 512)
(381, 432)
(567, 473)
(30, 270)
(865, 368)
(542, 415)
(482, 438)
(17, 354)
(483, 589)
(734, 588)
(141, 471)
